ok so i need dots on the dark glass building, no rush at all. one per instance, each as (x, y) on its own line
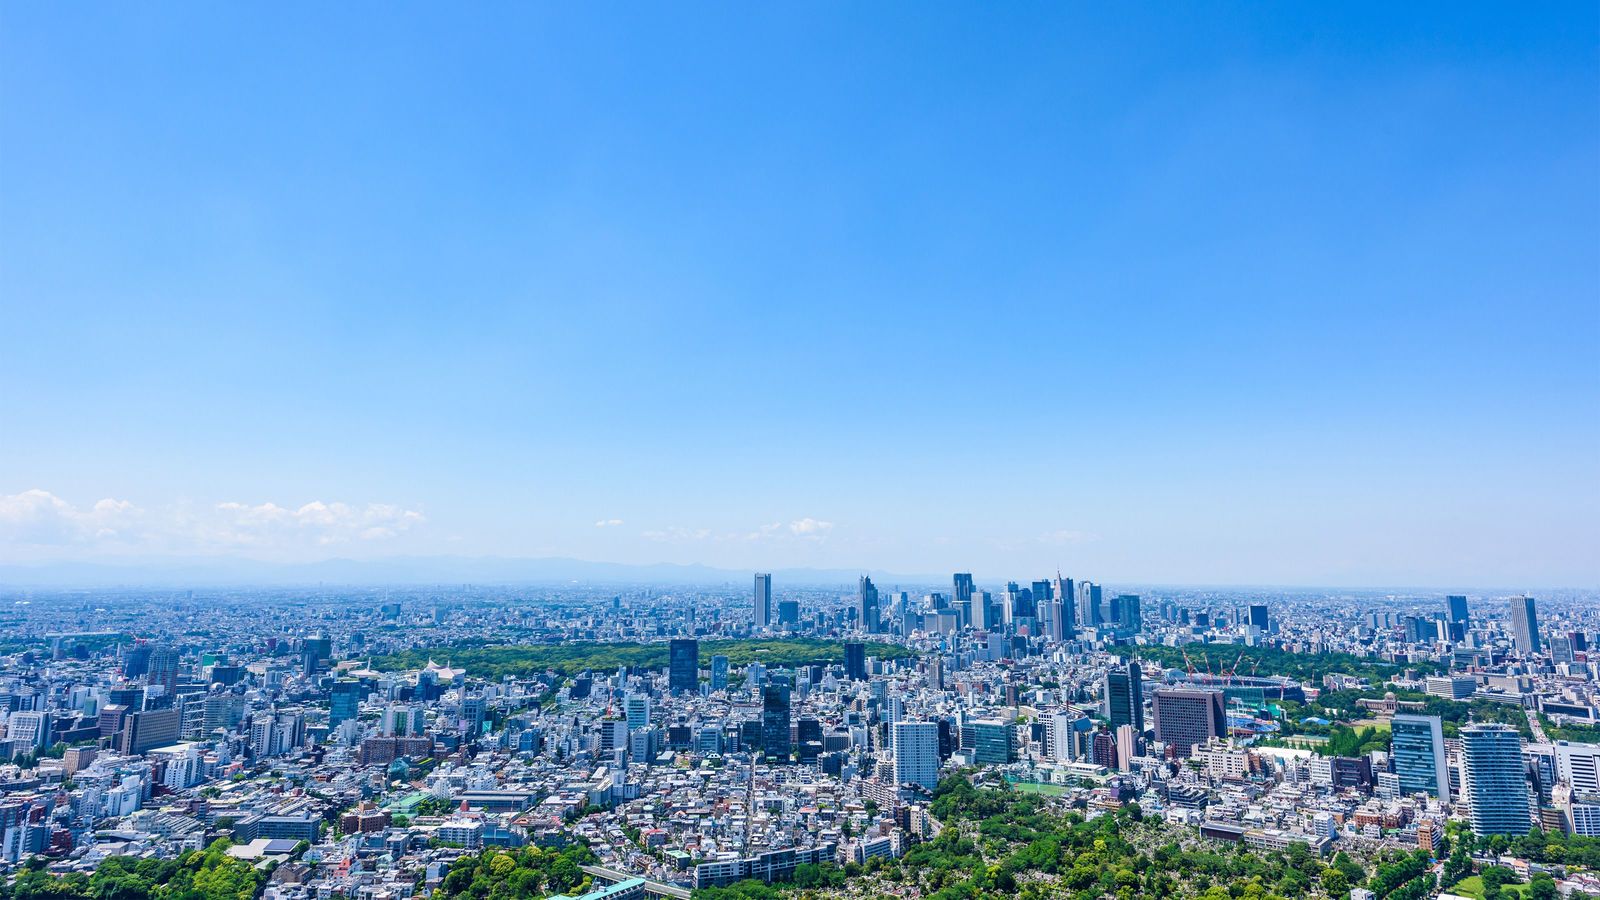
(684, 665)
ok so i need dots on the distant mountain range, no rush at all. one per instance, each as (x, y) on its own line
(415, 570)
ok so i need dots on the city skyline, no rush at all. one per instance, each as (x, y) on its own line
(1276, 296)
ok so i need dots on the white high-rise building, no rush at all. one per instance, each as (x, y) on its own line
(763, 600)
(916, 753)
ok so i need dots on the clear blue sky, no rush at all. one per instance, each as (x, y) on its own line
(1273, 293)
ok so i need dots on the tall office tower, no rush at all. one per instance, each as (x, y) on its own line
(719, 672)
(1457, 605)
(868, 606)
(684, 665)
(763, 613)
(636, 707)
(1130, 617)
(1124, 696)
(345, 703)
(916, 753)
(1042, 594)
(1495, 780)
(613, 734)
(137, 661)
(1062, 591)
(1089, 604)
(474, 709)
(963, 588)
(1060, 626)
(982, 612)
(788, 613)
(1129, 745)
(1525, 625)
(775, 718)
(1185, 717)
(1259, 619)
(855, 661)
(164, 668)
(1418, 754)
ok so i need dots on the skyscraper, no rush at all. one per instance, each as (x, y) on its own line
(164, 668)
(868, 606)
(1418, 753)
(963, 588)
(763, 600)
(1494, 779)
(916, 753)
(775, 718)
(1089, 613)
(1259, 619)
(345, 702)
(684, 665)
(855, 661)
(788, 612)
(1130, 615)
(1457, 605)
(719, 672)
(982, 613)
(1525, 625)
(1124, 696)
(1185, 717)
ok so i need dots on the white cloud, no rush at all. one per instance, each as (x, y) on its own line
(809, 527)
(41, 518)
(608, 523)
(37, 522)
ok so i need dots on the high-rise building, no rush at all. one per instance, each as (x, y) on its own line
(916, 753)
(637, 709)
(1124, 696)
(1184, 717)
(31, 729)
(763, 600)
(963, 588)
(1089, 612)
(993, 742)
(142, 731)
(788, 612)
(684, 665)
(775, 741)
(137, 661)
(1457, 605)
(855, 661)
(1525, 625)
(345, 703)
(1130, 616)
(868, 606)
(164, 669)
(719, 672)
(1494, 779)
(1064, 595)
(1259, 619)
(982, 612)
(1418, 754)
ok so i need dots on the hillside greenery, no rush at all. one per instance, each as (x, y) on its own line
(516, 874)
(494, 661)
(208, 874)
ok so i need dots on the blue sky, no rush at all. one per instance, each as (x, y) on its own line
(1227, 294)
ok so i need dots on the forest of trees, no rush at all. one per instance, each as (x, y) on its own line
(494, 661)
(208, 874)
(517, 874)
